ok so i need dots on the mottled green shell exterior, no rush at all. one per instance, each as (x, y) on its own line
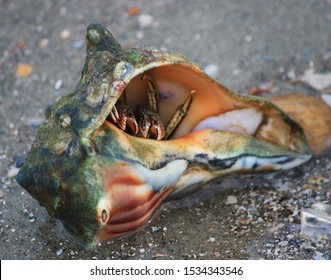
(65, 168)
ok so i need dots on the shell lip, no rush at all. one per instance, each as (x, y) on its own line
(215, 148)
(129, 64)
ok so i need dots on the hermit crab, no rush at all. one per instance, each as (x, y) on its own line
(143, 126)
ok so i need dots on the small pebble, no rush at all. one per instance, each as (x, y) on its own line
(217, 254)
(211, 70)
(31, 215)
(248, 38)
(155, 229)
(78, 45)
(2, 193)
(231, 199)
(58, 84)
(65, 33)
(59, 252)
(133, 11)
(211, 239)
(20, 45)
(12, 172)
(236, 72)
(145, 20)
(283, 243)
(158, 255)
(43, 43)
(142, 250)
(23, 70)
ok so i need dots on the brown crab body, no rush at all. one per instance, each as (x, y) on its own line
(102, 182)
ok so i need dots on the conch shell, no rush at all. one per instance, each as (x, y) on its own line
(102, 182)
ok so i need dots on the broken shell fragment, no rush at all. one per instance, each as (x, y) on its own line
(103, 182)
(316, 221)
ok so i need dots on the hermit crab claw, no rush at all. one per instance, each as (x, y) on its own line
(102, 165)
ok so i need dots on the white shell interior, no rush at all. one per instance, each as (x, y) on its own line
(243, 121)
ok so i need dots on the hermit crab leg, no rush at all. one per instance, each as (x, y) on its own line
(126, 118)
(114, 114)
(178, 116)
(122, 116)
(150, 124)
(153, 94)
